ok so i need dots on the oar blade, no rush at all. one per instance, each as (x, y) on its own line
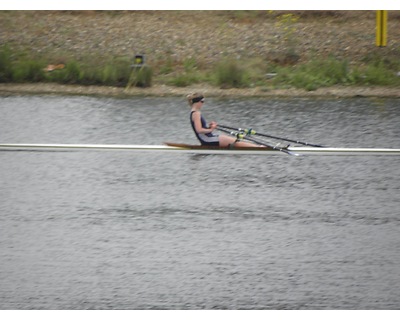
(293, 153)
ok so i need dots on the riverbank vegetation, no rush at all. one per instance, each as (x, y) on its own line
(17, 67)
(306, 50)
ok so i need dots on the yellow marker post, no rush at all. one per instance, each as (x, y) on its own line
(381, 28)
(138, 61)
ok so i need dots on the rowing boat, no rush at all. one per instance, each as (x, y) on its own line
(196, 149)
(296, 150)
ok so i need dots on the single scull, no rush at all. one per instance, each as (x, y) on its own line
(196, 149)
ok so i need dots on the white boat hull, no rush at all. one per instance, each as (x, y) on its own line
(198, 150)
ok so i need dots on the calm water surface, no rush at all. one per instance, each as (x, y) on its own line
(143, 230)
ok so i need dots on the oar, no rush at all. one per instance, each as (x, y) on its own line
(243, 136)
(251, 131)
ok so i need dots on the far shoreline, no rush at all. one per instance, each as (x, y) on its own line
(7, 89)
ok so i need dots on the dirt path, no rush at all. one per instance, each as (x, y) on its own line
(160, 91)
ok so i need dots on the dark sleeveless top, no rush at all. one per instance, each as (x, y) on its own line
(205, 138)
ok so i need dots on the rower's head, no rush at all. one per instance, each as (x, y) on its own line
(195, 98)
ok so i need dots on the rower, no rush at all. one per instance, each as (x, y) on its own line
(205, 133)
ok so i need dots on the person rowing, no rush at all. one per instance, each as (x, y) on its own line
(205, 133)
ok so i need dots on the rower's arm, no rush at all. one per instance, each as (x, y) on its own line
(197, 124)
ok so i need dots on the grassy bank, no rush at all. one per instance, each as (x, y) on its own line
(18, 67)
(266, 50)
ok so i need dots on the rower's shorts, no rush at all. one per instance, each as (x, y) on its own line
(209, 140)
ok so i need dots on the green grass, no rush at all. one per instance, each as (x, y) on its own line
(375, 69)
(141, 77)
(6, 69)
(329, 72)
(18, 67)
(28, 71)
(231, 74)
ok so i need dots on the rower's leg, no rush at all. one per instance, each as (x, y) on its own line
(247, 144)
(226, 141)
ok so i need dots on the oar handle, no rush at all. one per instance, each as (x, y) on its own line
(237, 135)
(248, 131)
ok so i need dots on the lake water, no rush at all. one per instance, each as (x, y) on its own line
(144, 230)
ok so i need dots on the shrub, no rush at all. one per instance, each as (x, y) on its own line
(184, 79)
(28, 71)
(141, 77)
(316, 73)
(117, 72)
(5, 65)
(73, 72)
(230, 74)
(190, 65)
(378, 75)
(108, 75)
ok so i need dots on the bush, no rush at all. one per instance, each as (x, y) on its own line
(108, 75)
(113, 74)
(315, 74)
(116, 72)
(5, 65)
(184, 79)
(378, 75)
(141, 77)
(73, 73)
(230, 74)
(28, 71)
